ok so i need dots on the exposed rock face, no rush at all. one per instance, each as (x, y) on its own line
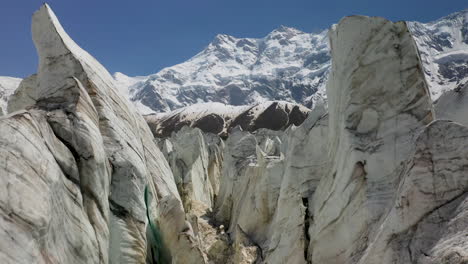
(84, 149)
(221, 119)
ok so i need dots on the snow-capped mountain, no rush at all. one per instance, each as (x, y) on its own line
(288, 65)
(285, 65)
(7, 87)
(443, 45)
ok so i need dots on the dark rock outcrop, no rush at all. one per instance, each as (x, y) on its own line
(221, 119)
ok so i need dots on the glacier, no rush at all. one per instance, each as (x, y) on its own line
(375, 172)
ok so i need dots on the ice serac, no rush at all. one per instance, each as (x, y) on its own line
(53, 201)
(249, 187)
(303, 148)
(90, 157)
(25, 95)
(427, 220)
(267, 180)
(188, 156)
(378, 101)
(453, 105)
(196, 159)
(7, 87)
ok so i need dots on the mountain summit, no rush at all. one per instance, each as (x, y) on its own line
(289, 65)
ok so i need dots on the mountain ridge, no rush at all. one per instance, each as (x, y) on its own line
(241, 71)
(287, 65)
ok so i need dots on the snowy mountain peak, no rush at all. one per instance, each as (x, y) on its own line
(291, 65)
(460, 15)
(284, 28)
(222, 38)
(287, 64)
(443, 45)
(284, 32)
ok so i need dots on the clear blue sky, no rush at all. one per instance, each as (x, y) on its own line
(140, 37)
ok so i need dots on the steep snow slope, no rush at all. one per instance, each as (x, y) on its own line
(443, 45)
(7, 87)
(285, 65)
(289, 65)
(125, 83)
(126, 86)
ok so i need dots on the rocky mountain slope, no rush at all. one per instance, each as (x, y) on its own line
(380, 176)
(221, 119)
